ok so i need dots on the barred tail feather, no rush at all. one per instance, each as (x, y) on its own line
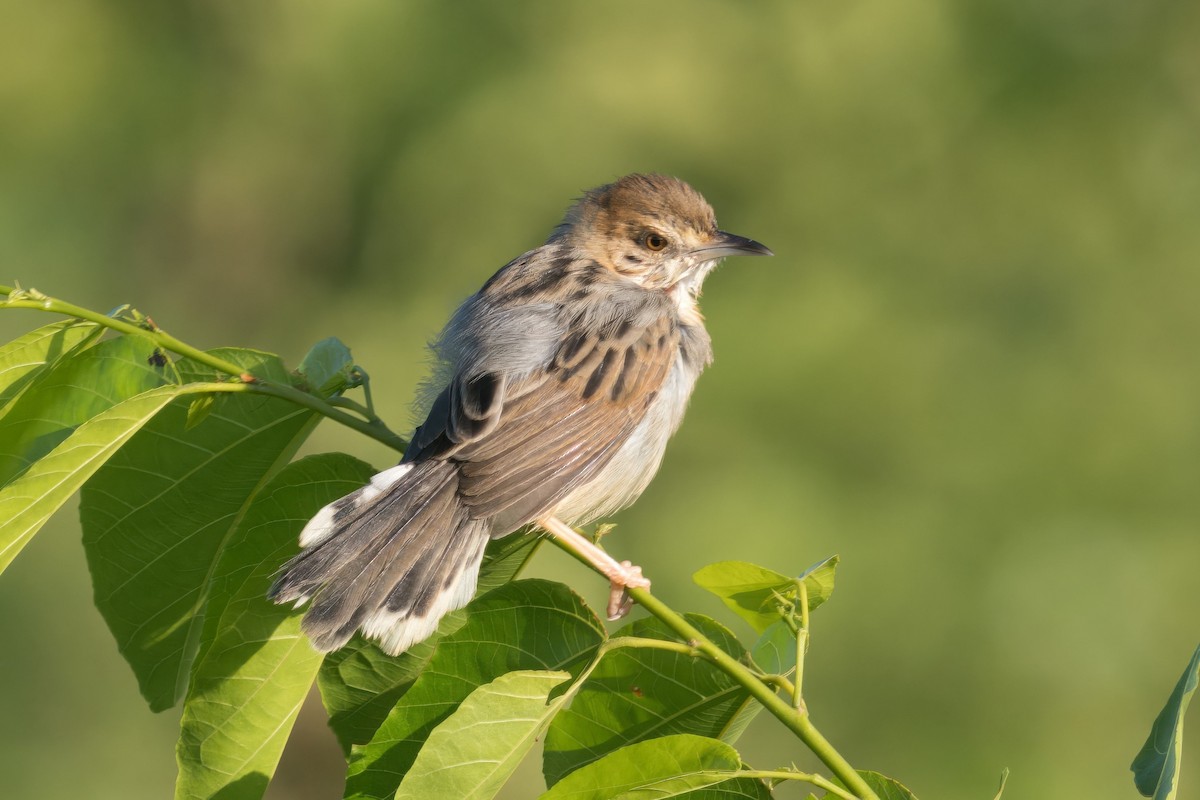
(337, 514)
(391, 558)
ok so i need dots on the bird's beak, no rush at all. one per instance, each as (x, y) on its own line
(730, 244)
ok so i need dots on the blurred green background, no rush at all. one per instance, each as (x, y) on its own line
(970, 369)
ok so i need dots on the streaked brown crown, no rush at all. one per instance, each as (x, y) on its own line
(641, 226)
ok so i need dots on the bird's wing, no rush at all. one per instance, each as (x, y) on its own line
(524, 443)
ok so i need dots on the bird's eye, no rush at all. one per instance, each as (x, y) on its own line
(654, 241)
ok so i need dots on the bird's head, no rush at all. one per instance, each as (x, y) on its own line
(652, 229)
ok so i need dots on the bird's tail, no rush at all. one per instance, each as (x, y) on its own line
(391, 558)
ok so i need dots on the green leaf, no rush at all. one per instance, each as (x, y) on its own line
(682, 765)
(1156, 767)
(886, 788)
(505, 558)
(23, 360)
(476, 749)
(360, 683)
(327, 367)
(69, 393)
(256, 362)
(754, 592)
(27, 502)
(199, 409)
(529, 624)
(639, 693)
(157, 516)
(775, 650)
(255, 666)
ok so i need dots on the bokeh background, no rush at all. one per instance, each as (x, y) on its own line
(971, 369)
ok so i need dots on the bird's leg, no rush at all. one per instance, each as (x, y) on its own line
(622, 575)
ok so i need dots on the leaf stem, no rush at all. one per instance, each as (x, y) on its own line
(372, 426)
(801, 647)
(780, 682)
(788, 775)
(618, 642)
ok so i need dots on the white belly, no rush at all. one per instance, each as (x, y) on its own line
(629, 473)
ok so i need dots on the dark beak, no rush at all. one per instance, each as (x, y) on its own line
(730, 244)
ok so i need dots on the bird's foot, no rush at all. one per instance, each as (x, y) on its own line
(620, 582)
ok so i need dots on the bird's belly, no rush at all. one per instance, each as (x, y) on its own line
(623, 479)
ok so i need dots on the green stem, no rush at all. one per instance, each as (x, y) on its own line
(801, 647)
(376, 431)
(796, 720)
(618, 642)
(373, 427)
(787, 775)
(779, 682)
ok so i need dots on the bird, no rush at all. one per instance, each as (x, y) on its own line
(555, 388)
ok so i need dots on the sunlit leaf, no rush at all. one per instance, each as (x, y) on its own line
(755, 592)
(1156, 767)
(27, 502)
(24, 359)
(473, 752)
(156, 517)
(639, 693)
(529, 624)
(255, 667)
(68, 394)
(682, 766)
(199, 409)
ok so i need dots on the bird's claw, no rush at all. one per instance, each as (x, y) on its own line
(619, 601)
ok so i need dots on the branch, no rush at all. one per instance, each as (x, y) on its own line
(372, 426)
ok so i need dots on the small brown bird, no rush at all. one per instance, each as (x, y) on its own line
(560, 382)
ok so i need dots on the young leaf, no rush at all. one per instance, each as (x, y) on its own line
(27, 502)
(157, 516)
(682, 765)
(255, 667)
(199, 409)
(327, 367)
(754, 592)
(639, 693)
(23, 360)
(360, 684)
(1156, 767)
(528, 624)
(473, 752)
(775, 650)
(68, 394)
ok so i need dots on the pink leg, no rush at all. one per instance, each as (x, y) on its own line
(622, 575)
